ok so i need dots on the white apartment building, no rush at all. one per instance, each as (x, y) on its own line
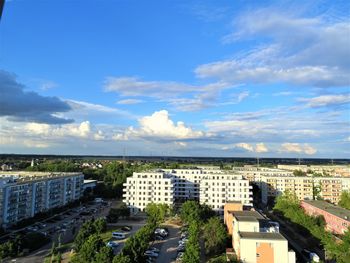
(171, 186)
(25, 194)
(218, 189)
(144, 188)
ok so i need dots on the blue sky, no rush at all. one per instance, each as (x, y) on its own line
(189, 78)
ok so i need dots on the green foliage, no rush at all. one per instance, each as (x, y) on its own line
(288, 205)
(115, 213)
(89, 228)
(190, 211)
(100, 225)
(120, 258)
(215, 236)
(193, 252)
(94, 250)
(136, 245)
(345, 200)
(55, 166)
(157, 212)
(299, 173)
(31, 241)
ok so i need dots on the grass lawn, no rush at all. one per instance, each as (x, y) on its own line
(106, 236)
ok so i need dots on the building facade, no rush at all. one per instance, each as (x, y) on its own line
(25, 194)
(211, 187)
(256, 239)
(337, 218)
(273, 182)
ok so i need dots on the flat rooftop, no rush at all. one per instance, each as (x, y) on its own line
(246, 218)
(253, 214)
(261, 235)
(330, 208)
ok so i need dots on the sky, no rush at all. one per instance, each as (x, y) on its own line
(176, 78)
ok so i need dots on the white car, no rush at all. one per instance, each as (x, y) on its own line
(154, 249)
(151, 254)
(112, 244)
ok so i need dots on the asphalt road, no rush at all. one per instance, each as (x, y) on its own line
(168, 246)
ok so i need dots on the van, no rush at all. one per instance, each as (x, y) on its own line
(118, 235)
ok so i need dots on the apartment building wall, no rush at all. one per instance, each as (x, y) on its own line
(336, 223)
(213, 189)
(217, 190)
(262, 251)
(25, 194)
(144, 188)
(330, 187)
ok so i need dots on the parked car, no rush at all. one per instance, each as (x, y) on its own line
(118, 235)
(126, 228)
(181, 248)
(154, 249)
(158, 237)
(112, 244)
(151, 254)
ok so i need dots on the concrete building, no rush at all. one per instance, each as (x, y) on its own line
(25, 194)
(273, 182)
(144, 188)
(256, 239)
(208, 186)
(337, 218)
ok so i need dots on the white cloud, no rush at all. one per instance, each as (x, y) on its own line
(326, 100)
(159, 126)
(316, 55)
(99, 135)
(129, 101)
(120, 137)
(298, 148)
(181, 144)
(261, 148)
(75, 130)
(245, 146)
(132, 86)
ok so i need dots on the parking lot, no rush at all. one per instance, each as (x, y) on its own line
(61, 228)
(168, 246)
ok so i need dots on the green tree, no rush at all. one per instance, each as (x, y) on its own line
(157, 212)
(345, 200)
(90, 249)
(120, 258)
(299, 173)
(87, 229)
(105, 255)
(215, 236)
(100, 225)
(190, 211)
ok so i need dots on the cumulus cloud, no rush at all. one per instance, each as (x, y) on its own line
(327, 100)
(245, 146)
(82, 130)
(316, 54)
(27, 106)
(159, 126)
(298, 148)
(259, 147)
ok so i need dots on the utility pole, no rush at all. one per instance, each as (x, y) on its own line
(257, 160)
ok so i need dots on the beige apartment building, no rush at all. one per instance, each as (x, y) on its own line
(256, 239)
(273, 182)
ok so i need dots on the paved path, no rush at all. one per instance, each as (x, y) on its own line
(168, 251)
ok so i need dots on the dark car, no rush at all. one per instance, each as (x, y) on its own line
(126, 228)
